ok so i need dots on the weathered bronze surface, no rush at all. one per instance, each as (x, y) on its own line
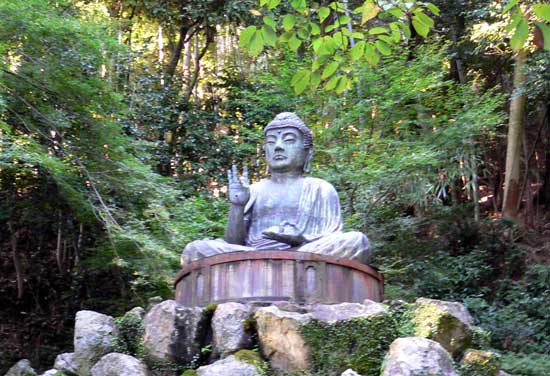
(287, 209)
(293, 276)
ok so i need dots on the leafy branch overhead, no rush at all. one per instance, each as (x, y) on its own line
(524, 19)
(337, 38)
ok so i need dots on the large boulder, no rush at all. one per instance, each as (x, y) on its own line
(229, 331)
(448, 323)
(93, 335)
(21, 368)
(65, 363)
(332, 313)
(115, 364)
(280, 341)
(416, 356)
(171, 332)
(228, 366)
(50, 372)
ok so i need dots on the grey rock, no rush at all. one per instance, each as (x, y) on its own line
(349, 372)
(346, 311)
(136, 311)
(50, 372)
(228, 366)
(415, 356)
(228, 328)
(21, 368)
(65, 363)
(115, 364)
(93, 335)
(448, 323)
(280, 340)
(171, 332)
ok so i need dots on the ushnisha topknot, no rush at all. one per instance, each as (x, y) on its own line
(289, 119)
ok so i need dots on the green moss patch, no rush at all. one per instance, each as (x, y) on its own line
(480, 363)
(359, 344)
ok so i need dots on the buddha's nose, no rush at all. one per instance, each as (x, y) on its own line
(279, 145)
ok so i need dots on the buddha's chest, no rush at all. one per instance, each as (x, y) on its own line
(276, 202)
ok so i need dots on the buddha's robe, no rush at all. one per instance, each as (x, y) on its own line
(316, 214)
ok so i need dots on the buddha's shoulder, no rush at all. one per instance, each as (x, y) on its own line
(318, 183)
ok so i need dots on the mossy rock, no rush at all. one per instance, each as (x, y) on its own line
(248, 356)
(189, 372)
(480, 363)
(359, 344)
(445, 322)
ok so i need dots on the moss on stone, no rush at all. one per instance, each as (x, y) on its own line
(432, 322)
(189, 372)
(248, 356)
(359, 344)
(480, 363)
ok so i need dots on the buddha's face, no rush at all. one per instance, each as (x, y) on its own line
(284, 150)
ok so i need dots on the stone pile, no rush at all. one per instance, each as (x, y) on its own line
(268, 339)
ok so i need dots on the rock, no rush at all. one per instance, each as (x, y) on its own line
(50, 372)
(66, 364)
(21, 368)
(280, 341)
(331, 313)
(171, 332)
(93, 335)
(115, 364)
(228, 366)
(349, 372)
(136, 311)
(479, 362)
(415, 356)
(448, 323)
(228, 328)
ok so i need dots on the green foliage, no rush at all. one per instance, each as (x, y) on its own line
(479, 363)
(129, 339)
(359, 344)
(253, 357)
(526, 364)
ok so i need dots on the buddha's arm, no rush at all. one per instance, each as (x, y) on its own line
(235, 232)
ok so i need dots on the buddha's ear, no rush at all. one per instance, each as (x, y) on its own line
(307, 164)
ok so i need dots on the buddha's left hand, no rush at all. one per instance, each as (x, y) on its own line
(286, 233)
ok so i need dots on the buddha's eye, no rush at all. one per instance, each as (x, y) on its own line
(289, 140)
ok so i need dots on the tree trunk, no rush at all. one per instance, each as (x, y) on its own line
(515, 130)
(16, 261)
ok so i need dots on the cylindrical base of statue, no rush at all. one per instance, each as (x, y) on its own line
(298, 277)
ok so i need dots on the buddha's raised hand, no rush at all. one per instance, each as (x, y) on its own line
(239, 188)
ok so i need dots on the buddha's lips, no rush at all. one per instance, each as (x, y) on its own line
(279, 157)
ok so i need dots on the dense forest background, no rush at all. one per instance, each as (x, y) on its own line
(118, 119)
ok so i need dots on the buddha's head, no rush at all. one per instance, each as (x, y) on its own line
(288, 144)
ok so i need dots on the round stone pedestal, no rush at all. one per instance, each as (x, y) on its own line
(297, 277)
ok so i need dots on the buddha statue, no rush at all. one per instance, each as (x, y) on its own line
(287, 210)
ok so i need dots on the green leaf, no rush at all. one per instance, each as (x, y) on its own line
(545, 30)
(343, 20)
(285, 37)
(269, 35)
(299, 5)
(510, 5)
(406, 29)
(342, 85)
(372, 57)
(329, 70)
(294, 43)
(383, 48)
(272, 4)
(357, 51)
(323, 12)
(331, 84)
(269, 21)
(520, 36)
(370, 10)
(263, 2)
(514, 23)
(300, 81)
(329, 28)
(378, 30)
(433, 8)
(315, 80)
(387, 39)
(303, 33)
(396, 12)
(426, 20)
(288, 22)
(421, 28)
(543, 11)
(358, 35)
(256, 45)
(246, 35)
(314, 29)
